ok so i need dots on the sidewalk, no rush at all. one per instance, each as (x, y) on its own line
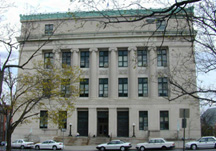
(178, 144)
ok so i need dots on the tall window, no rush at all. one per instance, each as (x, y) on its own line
(84, 88)
(65, 88)
(123, 87)
(47, 87)
(162, 86)
(143, 120)
(103, 59)
(161, 25)
(49, 29)
(164, 120)
(48, 60)
(62, 120)
(142, 57)
(122, 58)
(162, 57)
(84, 59)
(43, 119)
(142, 87)
(66, 58)
(103, 87)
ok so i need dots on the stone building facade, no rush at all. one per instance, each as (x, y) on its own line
(126, 70)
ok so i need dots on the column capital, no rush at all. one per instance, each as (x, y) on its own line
(74, 50)
(113, 49)
(133, 48)
(93, 49)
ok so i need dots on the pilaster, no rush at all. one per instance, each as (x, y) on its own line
(113, 79)
(153, 89)
(133, 82)
(75, 56)
(93, 73)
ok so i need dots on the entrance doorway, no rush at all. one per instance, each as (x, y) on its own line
(123, 124)
(102, 123)
(83, 123)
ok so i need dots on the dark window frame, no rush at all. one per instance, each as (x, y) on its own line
(65, 88)
(66, 58)
(162, 57)
(103, 87)
(84, 59)
(122, 58)
(49, 29)
(143, 87)
(142, 57)
(43, 119)
(162, 86)
(123, 87)
(103, 59)
(48, 60)
(164, 120)
(84, 88)
(143, 120)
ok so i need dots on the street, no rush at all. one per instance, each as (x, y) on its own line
(3, 149)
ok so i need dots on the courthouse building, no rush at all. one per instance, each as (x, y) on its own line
(126, 67)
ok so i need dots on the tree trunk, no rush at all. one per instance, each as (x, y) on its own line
(1, 80)
(9, 133)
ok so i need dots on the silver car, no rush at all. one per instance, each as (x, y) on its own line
(114, 145)
(203, 142)
(21, 143)
(49, 144)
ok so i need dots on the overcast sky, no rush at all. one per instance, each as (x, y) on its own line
(49, 6)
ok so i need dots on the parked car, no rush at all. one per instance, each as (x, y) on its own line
(49, 144)
(155, 143)
(115, 145)
(21, 143)
(203, 142)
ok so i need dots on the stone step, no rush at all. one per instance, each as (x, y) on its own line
(82, 141)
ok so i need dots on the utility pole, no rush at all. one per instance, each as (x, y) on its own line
(184, 124)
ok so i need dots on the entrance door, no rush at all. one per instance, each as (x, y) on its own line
(83, 123)
(102, 125)
(122, 124)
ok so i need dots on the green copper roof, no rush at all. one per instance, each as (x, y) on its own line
(106, 13)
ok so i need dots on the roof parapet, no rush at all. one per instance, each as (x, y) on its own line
(105, 13)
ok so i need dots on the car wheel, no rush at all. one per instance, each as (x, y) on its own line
(142, 148)
(54, 148)
(22, 147)
(193, 147)
(122, 148)
(102, 149)
(164, 148)
(37, 147)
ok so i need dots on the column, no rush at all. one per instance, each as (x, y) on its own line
(153, 86)
(57, 57)
(113, 122)
(93, 73)
(92, 121)
(73, 120)
(133, 82)
(75, 56)
(113, 76)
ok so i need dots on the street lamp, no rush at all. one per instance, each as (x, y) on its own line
(134, 130)
(70, 130)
